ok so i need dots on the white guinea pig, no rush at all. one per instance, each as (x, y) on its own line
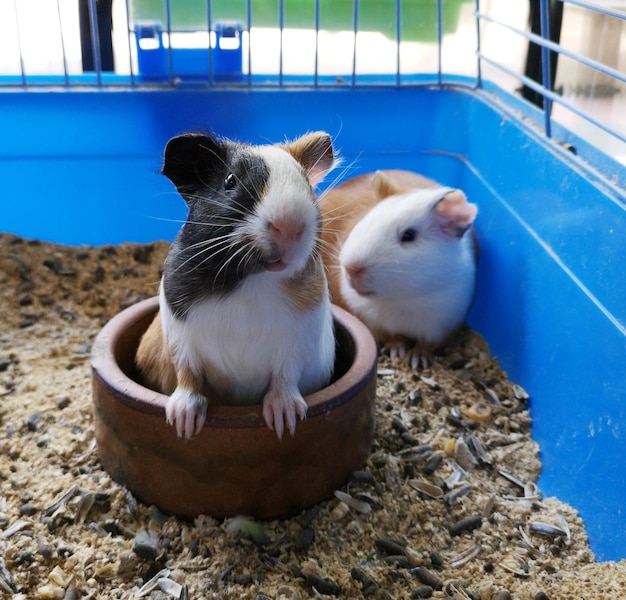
(244, 315)
(400, 254)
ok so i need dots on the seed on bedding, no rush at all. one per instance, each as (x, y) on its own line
(464, 525)
(433, 463)
(358, 505)
(28, 509)
(84, 506)
(6, 580)
(398, 425)
(388, 546)
(368, 586)
(152, 584)
(512, 478)
(480, 411)
(428, 577)
(546, 529)
(15, 528)
(146, 545)
(463, 455)
(478, 450)
(304, 540)
(364, 477)
(71, 593)
(415, 453)
(421, 591)
(415, 397)
(520, 393)
(491, 397)
(365, 497)
(452, 496)
(426, 488)
(457, 475)
(465, 556)
(430, 382)
(170, 587)
(514, 564)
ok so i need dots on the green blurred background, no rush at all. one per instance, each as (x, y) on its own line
(418, 17)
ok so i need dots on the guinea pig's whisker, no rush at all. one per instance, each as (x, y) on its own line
(245, 260)
(232, 256)
(214, 246)
(208, 242)
(333, 247)
(339, 176)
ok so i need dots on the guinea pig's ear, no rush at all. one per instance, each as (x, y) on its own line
(314, 151)
(383, 185)
(189, 158)
(454, 213)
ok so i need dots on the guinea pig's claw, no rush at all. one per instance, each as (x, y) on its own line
(281, 409)
(187, 412)
(412, 357)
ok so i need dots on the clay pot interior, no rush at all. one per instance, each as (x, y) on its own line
(236, 465)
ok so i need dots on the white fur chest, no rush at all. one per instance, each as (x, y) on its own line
(251, 336)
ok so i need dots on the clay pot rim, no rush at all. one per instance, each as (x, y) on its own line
(130, 392)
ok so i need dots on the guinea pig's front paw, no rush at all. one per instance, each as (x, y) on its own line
(280, 408)
(187, 411)
(412, 355)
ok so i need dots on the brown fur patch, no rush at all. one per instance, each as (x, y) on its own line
(307, 289)
(188, 381)
(154, 360)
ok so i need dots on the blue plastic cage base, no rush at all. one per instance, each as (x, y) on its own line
(81, 168)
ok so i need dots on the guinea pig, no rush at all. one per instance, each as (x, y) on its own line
(400, 253)
(244, 311)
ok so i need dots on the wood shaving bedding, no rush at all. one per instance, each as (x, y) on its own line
(446, 506)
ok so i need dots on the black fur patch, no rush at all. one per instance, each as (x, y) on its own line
(222, 182)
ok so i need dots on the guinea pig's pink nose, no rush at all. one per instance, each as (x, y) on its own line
(355, 273)
(285, 230)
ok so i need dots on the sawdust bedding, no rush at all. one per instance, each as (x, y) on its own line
(414, 524)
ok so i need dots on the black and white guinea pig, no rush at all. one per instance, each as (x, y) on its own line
(244, 311)
(400, 254)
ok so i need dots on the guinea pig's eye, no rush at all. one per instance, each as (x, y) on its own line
(408, 235)
(229, 182)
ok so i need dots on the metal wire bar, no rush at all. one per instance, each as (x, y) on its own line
(479, 76)
(439, 39)
(19, 45)
(249, 24)
(95, 41)
(66, 77)
(554, 97)
(398, 39)
(609, 12)
(281, 27)
(545, 66)
(209, 26)
(133, 81)
(588, 62)
(317, 39)
(355, 28)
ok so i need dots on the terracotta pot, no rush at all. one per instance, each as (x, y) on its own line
(236, 465)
